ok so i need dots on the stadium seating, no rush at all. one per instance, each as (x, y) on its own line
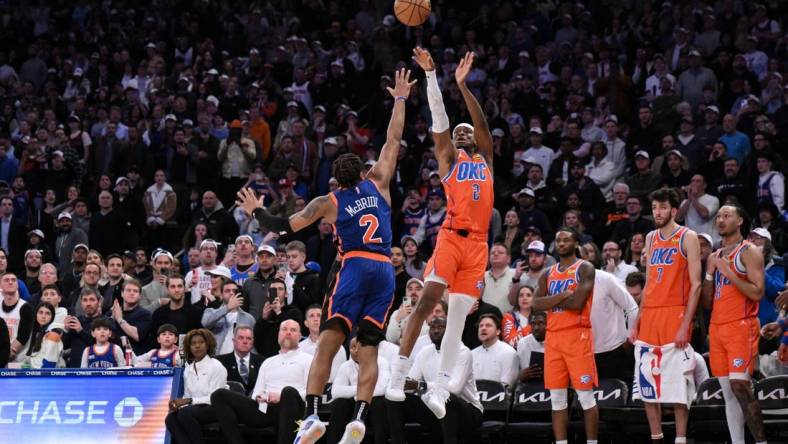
(772, 395)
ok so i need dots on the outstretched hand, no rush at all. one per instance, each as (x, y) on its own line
(423, 58)
(402, 84)
(464, 67)
(248, 201)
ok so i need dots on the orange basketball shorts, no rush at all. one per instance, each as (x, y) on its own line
(733, 347)
(458, 262)
(569, 358)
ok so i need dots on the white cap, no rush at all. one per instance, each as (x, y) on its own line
(330, 141)
(170, 117)
(527, 191)
(244, 236)
(713, 108)
(369, 163)
(209, 242)
(497, 132)
(212, 99)
(708, 238)
(642, 153)
(537, 246)
(121, 179)
(416, 280)
(221, 270)
(265, 248)
(77, 71)
(63, 215)
(536, 130)
(161, 252)
(292, 103)
(762, 232)
(213, 72)
(37, 232)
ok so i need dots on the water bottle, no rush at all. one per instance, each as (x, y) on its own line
(127, 350)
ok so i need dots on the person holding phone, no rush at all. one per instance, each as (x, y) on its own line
(275, 311)
(222, 321)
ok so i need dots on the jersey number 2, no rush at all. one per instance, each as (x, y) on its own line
(371, 222)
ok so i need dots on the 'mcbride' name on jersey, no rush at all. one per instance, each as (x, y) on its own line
(361, 204)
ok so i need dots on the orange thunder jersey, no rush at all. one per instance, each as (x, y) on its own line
(469, 194)
(730, 304)
(667, 270)
(559, 281)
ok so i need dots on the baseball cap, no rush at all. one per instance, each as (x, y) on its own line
(694, 53)
(77, 71)
(313, 266)
(209, 243)
(170, 117)
(713, 108)
(221, 270)
(213, 100)
(370, 163)
(330, 141)
(707, 237)
(497, 132)
(537, 246)
(435, 173)
(320, 108)
(527, 191)
(762, 232)
(188, 122)
(436, 192)
(33, 250)
(536, 130)
(532, 229)
(406, 238)
(161, 252)
(416, 280)
(244, 236)
(64, 215)
(264, 248)
(129, 255)
(121, 179)
(642, 153)
(236, 124)
(213, 72)
(676, 153)
(37, 232)
(78, 246)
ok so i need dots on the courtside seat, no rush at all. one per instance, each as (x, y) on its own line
(531, 412)
(772, 395)
(610, 395)
(707, 414)
(497, 401)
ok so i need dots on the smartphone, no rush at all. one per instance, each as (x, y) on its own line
(282, 267)
(406, 301)
(272, 294)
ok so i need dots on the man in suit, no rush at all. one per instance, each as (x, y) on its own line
(242, 364)
(13, 236)
(109, 153)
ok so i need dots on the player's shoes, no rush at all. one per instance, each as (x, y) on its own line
(435, 400)
(354, 433)
(310, 430)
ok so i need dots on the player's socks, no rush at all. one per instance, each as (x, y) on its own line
(591, 441)
(361, 411)
(733, 414)
(312, 405)
(459, 306)
(657, 439)
(681, 440)
(563, 441)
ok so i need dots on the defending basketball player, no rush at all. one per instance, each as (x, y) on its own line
(732, 288)
(565, 291)
(661, 332)
(460, 257)
(361, 213)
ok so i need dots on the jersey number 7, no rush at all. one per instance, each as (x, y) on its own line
(371, 222)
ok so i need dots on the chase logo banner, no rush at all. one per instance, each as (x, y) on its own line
(86, 406)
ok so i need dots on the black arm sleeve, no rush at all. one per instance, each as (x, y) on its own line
(26, 315)
(274, 223)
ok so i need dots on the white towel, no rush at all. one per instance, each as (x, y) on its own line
(664, 374)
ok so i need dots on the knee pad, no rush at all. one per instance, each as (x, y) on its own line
(369, 334)
(558, 399)
(586, 399)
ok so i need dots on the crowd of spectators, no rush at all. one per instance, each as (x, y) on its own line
(126, 129)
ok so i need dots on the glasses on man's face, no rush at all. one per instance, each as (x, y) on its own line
(94, 273)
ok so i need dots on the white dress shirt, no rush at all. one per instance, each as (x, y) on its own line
(622, 271)
(307, 345)
(699, 224)
(202, 378)
(422, 342)
(462, 384)
(525, 347)
(611, 309)
(346, 383)
(290, 369)
(497, 362)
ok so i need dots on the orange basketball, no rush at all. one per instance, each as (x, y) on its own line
(412, 12)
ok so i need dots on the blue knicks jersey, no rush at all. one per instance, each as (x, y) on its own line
(104, 360)
(167, 360)
(363, 219)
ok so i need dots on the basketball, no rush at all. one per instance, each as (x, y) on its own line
(412, 12)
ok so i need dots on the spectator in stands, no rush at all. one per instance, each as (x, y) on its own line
(197, 279)
(321, 249)
(463, 411)
(104, 226)
(242, 363)
(278, 396)
(245, 265)
(160, 203)
(78, 328)
(400, 316)
(611, 254)
(47, 275)
(634, 223)
(303, 285)
(644, 180)
(674, 174)
(202, 377)
(427, 232)
(103, 353)
(771, 184)
(142, 271)
(111, 291)
(515, 324)
(154, 295)
(164, 356)
(12, 237)
(275, 311)
(236, 155)
(613, 309)
(90, 279)
(693, 80)
(33, 260)
(591, 199)
(213, 213)
(635, 283)
(343, 391)
(494, 359)
(130, 319)
(541, 154)
(736, 142)
(184, 316)
(512, 236)
(221, 321)
(731, 184)
(499, 278)
(530, 349)
(309, 344)
(24, 293)
(255, 289)
(470, 336)
(45, 348)
(698, 210)
(529, 215)
(414, 263)
(401, 277)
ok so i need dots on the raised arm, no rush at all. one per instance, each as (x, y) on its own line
(585, 286)
(382, 172)
(481, 131)
(318, 207)
(445, 151)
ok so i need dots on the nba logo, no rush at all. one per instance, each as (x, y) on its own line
(480, 285)
(738, 362)
(585, 379)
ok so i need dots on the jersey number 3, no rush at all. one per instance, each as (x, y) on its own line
(371, 222)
